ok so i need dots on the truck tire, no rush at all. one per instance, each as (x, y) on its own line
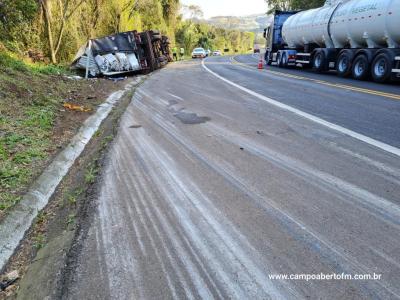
(319, 62)
(344, 64)
(284, 60)
(360, 68)
(381, 68)
(267, 58)
(279, 60)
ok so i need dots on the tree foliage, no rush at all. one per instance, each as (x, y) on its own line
(293, 4)
(191, 35)
(57, 28)
(17, 19)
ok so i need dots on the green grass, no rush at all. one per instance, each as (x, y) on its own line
(27, 156)
(8, 61)
(48, 69)
(3, 152)
(72, 200)
(72, 196)
(42, 117)
(71, 220)
(8, 200)
(33, 123)
(20, 151)
(29, 101)
(12, 175)
(90, 174)
(39, 241)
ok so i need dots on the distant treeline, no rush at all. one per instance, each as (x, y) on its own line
(293, 4)
(53, 30)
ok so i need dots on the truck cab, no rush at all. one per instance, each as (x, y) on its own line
(273, 34)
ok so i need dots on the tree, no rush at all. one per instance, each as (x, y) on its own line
(15, 16)
(293, 4)
(90, 19)
(193, 12)
(307, 4)
(188, 36)
(59, 27)
(170, 9)
(66, 8)
(279, 5)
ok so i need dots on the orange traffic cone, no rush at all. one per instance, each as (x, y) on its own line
(260, 64)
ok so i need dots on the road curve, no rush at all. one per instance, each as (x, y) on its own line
(368, 108)
(207, 192)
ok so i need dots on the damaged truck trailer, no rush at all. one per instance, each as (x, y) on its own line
(122, 53)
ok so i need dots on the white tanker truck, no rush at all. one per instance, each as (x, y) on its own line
(358, 38)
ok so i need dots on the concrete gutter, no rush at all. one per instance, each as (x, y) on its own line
(19, 220)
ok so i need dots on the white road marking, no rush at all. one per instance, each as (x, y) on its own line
(175, 96)
(343, 130)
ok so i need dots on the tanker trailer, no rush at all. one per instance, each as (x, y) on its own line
(358, 38)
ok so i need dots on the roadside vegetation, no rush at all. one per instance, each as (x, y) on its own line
(191, 34)
(28, 104)
(34, 125)
(293, 4)
(53, 30)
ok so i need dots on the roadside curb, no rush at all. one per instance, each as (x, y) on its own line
(19, 220)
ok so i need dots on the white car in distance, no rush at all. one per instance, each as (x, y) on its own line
(199, 53)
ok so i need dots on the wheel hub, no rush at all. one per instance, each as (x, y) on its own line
(317, 62)
(380, 68)
(359, 68)
(343, 64)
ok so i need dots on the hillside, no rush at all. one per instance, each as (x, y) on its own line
(34, 123)
(253, 23)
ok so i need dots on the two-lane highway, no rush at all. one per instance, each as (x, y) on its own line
(233, 181)
(366, 107)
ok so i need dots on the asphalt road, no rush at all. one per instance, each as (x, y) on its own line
(208, 190)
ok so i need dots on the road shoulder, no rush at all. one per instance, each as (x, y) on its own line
(43, 257)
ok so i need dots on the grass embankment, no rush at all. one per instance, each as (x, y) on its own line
(33, 122)
(27, 112)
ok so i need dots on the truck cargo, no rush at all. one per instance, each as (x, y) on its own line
(358, 38)
(123, 53)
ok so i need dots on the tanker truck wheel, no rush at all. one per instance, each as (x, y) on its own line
(267, 58)
(381, 68)
(279, 60)
(284, 60)
(360, 68)
(319, 62)
(343, 66)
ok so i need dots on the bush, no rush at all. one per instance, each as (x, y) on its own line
(7, 61)
(14, 13)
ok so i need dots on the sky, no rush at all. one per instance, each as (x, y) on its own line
(212, 8)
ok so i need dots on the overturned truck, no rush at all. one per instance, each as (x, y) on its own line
(122, 53)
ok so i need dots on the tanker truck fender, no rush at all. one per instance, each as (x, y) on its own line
(369, 53)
